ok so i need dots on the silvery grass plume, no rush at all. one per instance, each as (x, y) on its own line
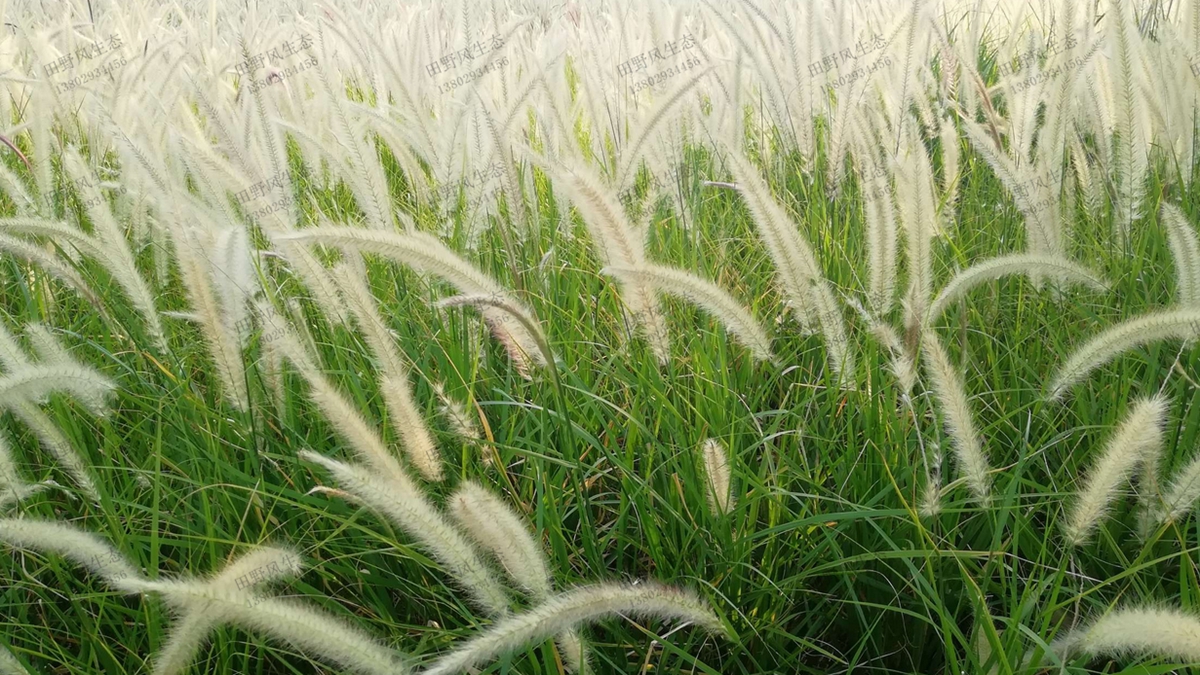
(50, 264)
(1180, 498)
(571, 609)
(619, 244)
(486, 303)
(267, 139)
(106, 244)
(12, 487)
(991, 269)
(951, 393)
(397, 498)
(796, 266)
(916, 205)
(931, 495)
(416, 439)
(342, 414)
(427, 254)
(901, 362)
(50, 352)
(1091, 184)
(216, 324)
(1058, 126)
(352, 148)
(652, 125)
(951, 173)
(1185, 251)
(35, 383)
(737, 319)
(1035, 198)
(456, 415)
(1167, 633)
(110, 236)
(716, 469)
(45, 347)
(879, 218)
(1133, 123)
(198, 618)
(417, 442)
(1136, 442)
(270, 365)
(205, 604)
(497, 529)
(1177, 324)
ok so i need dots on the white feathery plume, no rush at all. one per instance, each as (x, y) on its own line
(110, 240)
(305, 628)
(1185, 250)
(951, 393)
(1090, 185)
(46, 345)
(215, 323)
(1167, 633)
(571, 609)
(796, 267)
(399, 499)
(109, 255)
(1133, 123)
(902, 363)
(712, 298)
(427, 254)
(496, 528)
(345, 418)
(270, 365)
(950, 168)
(352, 284)
(59, 445)
(35, 255)
(234, 277)
(489, 303)
(635, 149)
(1178, 324)
(1043, 231)
(315, 277)
(12, 487)
(619, 243)
(224, 599)
(719, 487)
(351, 425)
(257, 567)
(931, 493)
(36, 382)
(58, 232)
(1137, 440)
(1017, 263)
(83, 548)
(11, 353)
(879, 217)
(499, 530)
(1182, 494)
(455, 412)
(365, 175)
(416, 440)
(915, 204)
